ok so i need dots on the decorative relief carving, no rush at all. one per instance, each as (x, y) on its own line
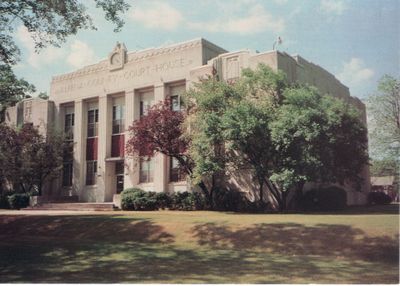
(117, 57)
(127, 74)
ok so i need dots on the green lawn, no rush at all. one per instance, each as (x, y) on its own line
(200, 247)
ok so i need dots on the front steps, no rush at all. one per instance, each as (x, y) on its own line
(73, 206)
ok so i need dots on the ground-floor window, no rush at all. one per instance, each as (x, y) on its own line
(146, 170)
(67, 174)
(175, 172)
(91, 172)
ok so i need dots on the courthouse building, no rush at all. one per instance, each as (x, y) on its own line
(96, 104)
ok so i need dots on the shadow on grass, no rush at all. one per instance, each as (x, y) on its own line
(297, 239)
(100, 249)
(54, 262)
(103, 228)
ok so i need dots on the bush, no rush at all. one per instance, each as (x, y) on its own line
(138, 200)
(183, 201)
(200, 202)
(4, 202)
(326, 199)
(18, 201)
(229, 200)
(379, 198)
(163, 200)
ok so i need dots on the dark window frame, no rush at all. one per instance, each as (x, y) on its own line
(92, 123)
(146, 175)
(91, 173)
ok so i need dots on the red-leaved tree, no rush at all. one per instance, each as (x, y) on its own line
(161, 130)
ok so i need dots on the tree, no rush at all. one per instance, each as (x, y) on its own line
(246, 124)
(9, 160)
(160, 130)
(207, 102)
(12, 89)
(43, 95)
(317, 139)
(49, 22)
(248, 140)
(29, 159)
(384, 119)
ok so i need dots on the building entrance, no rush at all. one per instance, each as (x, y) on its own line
(119, 174)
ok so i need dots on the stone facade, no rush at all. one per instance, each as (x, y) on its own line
(97, 103)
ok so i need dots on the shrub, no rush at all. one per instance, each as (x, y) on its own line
(230, 200)
(4, 201)
(200, 202)
(18, 201)
(326, 199)
(183, 201)
(163, 200)
(379, 198)
(128, 197)
(145, 203)
(139, 200)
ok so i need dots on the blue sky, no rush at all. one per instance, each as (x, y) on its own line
(356, 40)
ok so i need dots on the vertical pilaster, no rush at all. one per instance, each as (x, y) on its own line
(160, 160)
(78, 180)
(131, 171)
(104, 142)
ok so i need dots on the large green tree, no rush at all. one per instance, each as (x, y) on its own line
(384, 119)
(206, 104)
(317, 138)
(286, 135)
(50, 22)
(29, 159)
(12, 89)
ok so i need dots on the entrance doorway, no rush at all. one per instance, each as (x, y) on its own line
(119, 175)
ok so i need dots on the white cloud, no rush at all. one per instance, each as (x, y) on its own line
(256, 20)
(354, 73)
(336, 7)
(280, 2)
(80, 54)
(44, 57)
(157, 15)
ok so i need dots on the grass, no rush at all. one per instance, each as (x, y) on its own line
(200, 247)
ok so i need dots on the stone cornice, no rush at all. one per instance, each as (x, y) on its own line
(132, 57)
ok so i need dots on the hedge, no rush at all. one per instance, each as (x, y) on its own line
(325, 199)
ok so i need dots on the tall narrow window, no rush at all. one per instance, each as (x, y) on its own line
(69, 126)
(118, 119)
(67, 171)
(175, 103)
(146, 171)
(91, 172)
(67, 174)
(146, 101)
(93, 119)
(175, 172)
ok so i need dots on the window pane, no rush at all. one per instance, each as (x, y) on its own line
(91, 170)
(67, 174)
(175, 105)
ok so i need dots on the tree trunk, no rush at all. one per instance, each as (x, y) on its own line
(275, 193)
(261, 183)
(299, 193)
(206, 193)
